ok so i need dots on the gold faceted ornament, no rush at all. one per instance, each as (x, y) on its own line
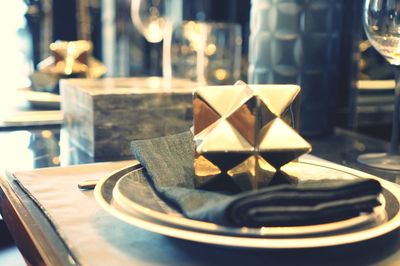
(69, 59)
(72, 58)
(244, 134)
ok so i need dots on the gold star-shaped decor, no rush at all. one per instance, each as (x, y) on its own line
(72, 58)
(242, 134)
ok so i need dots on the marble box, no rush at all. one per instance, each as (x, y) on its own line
(102, 116)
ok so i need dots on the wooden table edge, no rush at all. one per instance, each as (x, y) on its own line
(30, 236)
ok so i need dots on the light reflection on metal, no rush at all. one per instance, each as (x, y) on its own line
(47, 134)
(55, 160)
(243, 133)
(221, 74)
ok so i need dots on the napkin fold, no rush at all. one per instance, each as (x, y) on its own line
(168, 163)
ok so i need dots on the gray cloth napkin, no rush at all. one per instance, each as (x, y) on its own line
(168, 163)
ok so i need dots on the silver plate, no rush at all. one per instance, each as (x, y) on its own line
(146, 210)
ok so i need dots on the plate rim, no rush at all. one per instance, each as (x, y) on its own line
(260, 242)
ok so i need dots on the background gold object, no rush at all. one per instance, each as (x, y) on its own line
(242, 134)
(69, 59)
(72, 58)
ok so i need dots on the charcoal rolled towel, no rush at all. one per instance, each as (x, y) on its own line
(168, 164)
(288, 205)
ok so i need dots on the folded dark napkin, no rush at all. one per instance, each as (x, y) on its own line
(168, 164)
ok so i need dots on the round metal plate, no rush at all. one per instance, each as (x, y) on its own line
(153, 214)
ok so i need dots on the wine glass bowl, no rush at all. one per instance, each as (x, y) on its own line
(148, 16)
(208, 53)
(381, 21)
(382, 27)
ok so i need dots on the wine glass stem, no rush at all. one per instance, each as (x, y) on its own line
(154, 54)
(394, 143)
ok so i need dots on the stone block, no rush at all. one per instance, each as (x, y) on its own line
(102, 116)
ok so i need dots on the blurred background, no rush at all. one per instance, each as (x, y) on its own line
(28, 27)
(108, 24)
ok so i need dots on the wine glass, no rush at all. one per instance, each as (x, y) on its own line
(151, 18)
(208, 53)
(148, 16)
(381, 22)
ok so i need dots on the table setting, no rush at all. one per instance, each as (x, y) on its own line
(310, 203)
(55, 190)
(166, 202)
(198, 167)
(152, 215)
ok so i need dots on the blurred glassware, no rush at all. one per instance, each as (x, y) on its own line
(204, 52)
(152, 18)
(148, 16)
(381, 22)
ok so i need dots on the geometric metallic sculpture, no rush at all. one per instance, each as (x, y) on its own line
(72, 59)
(241, 136)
